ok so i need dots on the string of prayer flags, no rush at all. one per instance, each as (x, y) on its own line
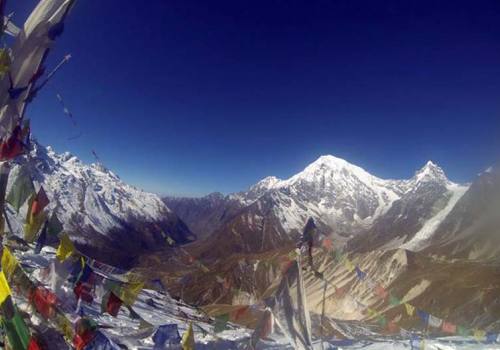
(65, 248)
(22, 189)
(188, 338)
(166, 335)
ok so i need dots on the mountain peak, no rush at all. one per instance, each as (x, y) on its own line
(431, 172)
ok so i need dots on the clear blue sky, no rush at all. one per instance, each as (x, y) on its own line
(189, 97)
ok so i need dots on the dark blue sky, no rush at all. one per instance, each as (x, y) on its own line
(189, 97)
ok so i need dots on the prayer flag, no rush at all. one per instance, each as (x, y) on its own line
(188, 338)
(479, 335)
(410, 310)
(381, 292)
(361, 274)
(65, 249)
(221, 323)
(449, 327)
(424, 316)
(9, 263)
(21, 189)
(394, 301)
(435, 321)
(463, 331)
(166, 335)
(348, 265)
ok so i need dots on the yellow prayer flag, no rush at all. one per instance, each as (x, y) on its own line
(372, 313)
(349, 265)
(410, 310)
(188, 338)
(9, 263)
(4, 288)
(479, 334)
(65, 249)
(33, 225)
(129, 292)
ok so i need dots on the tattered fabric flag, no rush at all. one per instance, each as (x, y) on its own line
(491, 337)
(221, 323)
(65, 248)
(392, 327)
(264, 328)
(84, 291)
(166, 335)
(410, 309)
(85, 331)
(39, 203)
(9, 263)
(17, 332)
(4, 61)
(36, 216)
(381, 292)
(479, 335)
(361, 274)
(101, 342)
(21, 189)
(463, 331)
(12, 146)
(435, 321)
(424, 316)
(449, 327)
(33, 225)
(111, 304)
(125, 292)
(44, 301)
(241, 312)
(381, 320)
(188, 338)
(349, 265)
(54, 226)
(394, 301)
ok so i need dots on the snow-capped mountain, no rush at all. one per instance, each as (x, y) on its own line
(96, 207)
(345, 200)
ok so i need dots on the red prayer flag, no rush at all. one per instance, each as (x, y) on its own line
(240, 312)
(328, 244)
(449, 327)
(113, 305)
(83, 291)
(12, 147)
(40, 202)
(33, 345)
(381, 292)
(44, 301)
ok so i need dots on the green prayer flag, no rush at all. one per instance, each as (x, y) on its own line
(221, 323)
(17, 332)
(381, 320)
(54, 226)
(21, 189)
(394, 301)
(463, 331)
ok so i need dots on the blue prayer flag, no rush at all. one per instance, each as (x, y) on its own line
(166, 335)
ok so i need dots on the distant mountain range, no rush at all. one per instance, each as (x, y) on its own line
(346, 202)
